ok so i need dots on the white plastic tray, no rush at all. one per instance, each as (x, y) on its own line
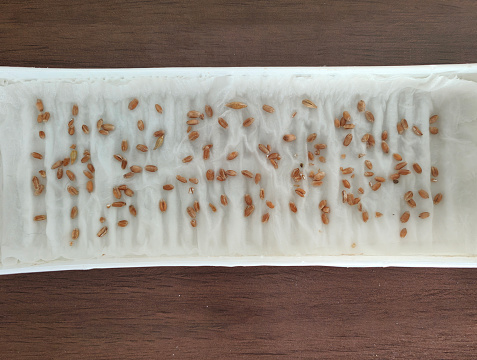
(464, 71)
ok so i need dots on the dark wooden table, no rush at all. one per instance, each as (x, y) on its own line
(261, 312)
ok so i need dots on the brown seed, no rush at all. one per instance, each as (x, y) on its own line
(46, 117)
(206, 154)
(262, 194)
(75, 234)
(384, 135)
(405, 217)
(249, 121)
(118, 204)
(400, 165)
(74, 212)
(322, 204)
(378, 214)
(368, 173)
(222, 123)
(39, 218)
(85, 129)
(371, 142)
(269, 204)
(71, 123)
(223, 200)
(300, 192)
(320, 175)
(142, 148)
(400, 129)
(191, 212)
(193, 122)
(347, 139)
(132, 105)
(72, 190)
(122, 187)
(118, 157)
(320, 146)
(404, 124)
(159, 133)
(361, 190)
(128, 192)
(193, 223)
(41, 134)
(311, 137)
(311, 157)
(74, 111)
(385, 147)
(347, 170)
(268, 109)
(168, 187)
(265, 217)
(417, 168)
(342, 122)
(350, 199)
(433, 130)
(232, 155)
(194, 181)
(36, 155)
(293, 207)
(416, 130)
(397, 157)
(132, 210)
(103, 132)
(140, 125)
(368, 164)
(36, 182)
(208, 111)
(424, 215)
(135, 169)
(158, 144)
(89, 186)
(162, 205)
(403, 233)
(361, 106)
(230, 173)
(109, 127)
(87, 174)
(346, 116)
(324, 219)
(437, 198)
(411, 203)
(380, 179)
(423, 194)
(236, 105)
(394, 176)
(116, 193)
(337, 123)
(289, 137)
(345, 196)
(181, 179)
(308, 103)
(348, 126)
(210, 175)
(433, 119)
(150, 168)
(404, 172)
(187, 159)
(434, 171)
(99, 124)
(193, 135)
(193, 114)
(294, 114)
(376, 186)
(408, 196)
(70, 175)
(365, 216)
(263, 149)
(102, 231)
(39, 190)
(369, 116)
(196, 206)
(365, 138)
(248, 210)
(258, 177)
(214, 209)
(158, 108)
(102, 219)
(346, 184)
(122, 223)
(39, 105)
(247, 173)
(124, 164)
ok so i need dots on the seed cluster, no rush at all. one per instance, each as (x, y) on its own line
(316, 148)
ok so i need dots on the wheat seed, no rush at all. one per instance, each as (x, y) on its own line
(385, 147)
(193, 135)
(311, 137)
(416, 130)
(36, 155)
(263, 149)
(369, 116)
(168, 187)
(380, 179)
(423, 194)
(399, 128)
(268, 109)
(437, 198)
(433, 130)
(191, 212)
(346, 184)
(132, 105)
(403, 233)
(258, 177)
(223, 200)
(187, 159)
(361, 106)
(181, 179)
(162, 205)
(236, 105)
(247, 173)
(142, 148)
(347, 139)
(293, 207)
(136, 169)
(424, 215)
(434, 171)
(232, 155)
(208, 111)
(262, 194)
(249, 121)
(150, 168)
(72, 190)
(74, 212)
(210, 175)
(308, 103)
(222, 123)
(248, 210)
(376, 186)
(324, 219)
(289, 137)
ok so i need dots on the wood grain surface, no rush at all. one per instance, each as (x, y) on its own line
(258, 312)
